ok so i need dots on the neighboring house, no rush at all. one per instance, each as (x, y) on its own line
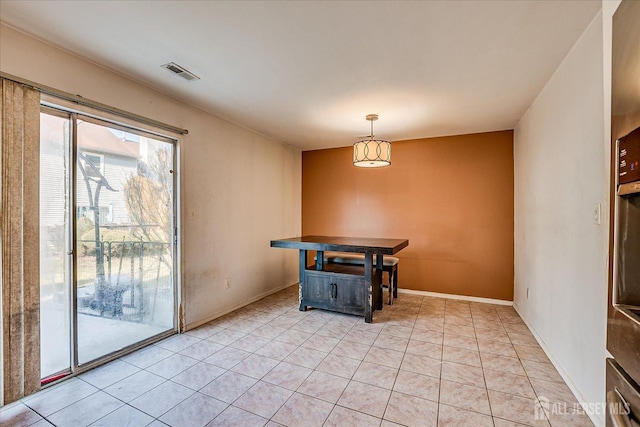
(116, 158)
(115, 154)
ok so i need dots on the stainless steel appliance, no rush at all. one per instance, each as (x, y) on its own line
(623, 326)
(623, 329)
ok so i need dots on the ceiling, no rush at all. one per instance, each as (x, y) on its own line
(308, 72)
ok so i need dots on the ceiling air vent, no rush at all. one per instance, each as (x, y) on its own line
(180, 71)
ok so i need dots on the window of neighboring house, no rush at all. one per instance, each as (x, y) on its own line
(96, 160)
(106, 213)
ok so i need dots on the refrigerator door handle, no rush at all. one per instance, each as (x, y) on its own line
(615, 403)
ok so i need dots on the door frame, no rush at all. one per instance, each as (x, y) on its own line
(61, 108)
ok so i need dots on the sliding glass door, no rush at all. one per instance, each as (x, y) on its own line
(115, 287)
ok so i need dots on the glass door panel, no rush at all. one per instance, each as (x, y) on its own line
(55, 271)
(124, 238)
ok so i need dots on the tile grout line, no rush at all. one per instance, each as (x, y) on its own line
(405, 323)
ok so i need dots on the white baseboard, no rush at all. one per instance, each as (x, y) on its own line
(194, 325)
(596, 418)
(453, 296)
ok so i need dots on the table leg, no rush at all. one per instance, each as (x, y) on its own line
(368, 285)
(303, 267)
(379, 265)
(319, 260)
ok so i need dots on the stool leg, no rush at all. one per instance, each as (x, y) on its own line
(390, 274)
(395, 283)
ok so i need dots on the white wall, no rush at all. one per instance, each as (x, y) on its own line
(561, 171)
(239, 189)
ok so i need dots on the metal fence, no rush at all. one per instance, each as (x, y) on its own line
(127, 280)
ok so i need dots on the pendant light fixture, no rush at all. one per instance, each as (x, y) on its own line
(370, 152)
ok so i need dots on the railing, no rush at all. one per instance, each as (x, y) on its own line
(128, 280)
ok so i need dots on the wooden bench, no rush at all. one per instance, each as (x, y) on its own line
(389, 264)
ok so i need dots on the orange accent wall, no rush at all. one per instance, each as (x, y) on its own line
(452, 197)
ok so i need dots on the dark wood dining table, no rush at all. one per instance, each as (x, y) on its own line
(347, 289)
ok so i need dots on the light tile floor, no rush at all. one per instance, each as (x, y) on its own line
(422, 362)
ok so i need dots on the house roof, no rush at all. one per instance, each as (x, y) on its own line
(92, 138)
(100, 139)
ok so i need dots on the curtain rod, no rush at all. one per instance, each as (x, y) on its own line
(93, 104)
